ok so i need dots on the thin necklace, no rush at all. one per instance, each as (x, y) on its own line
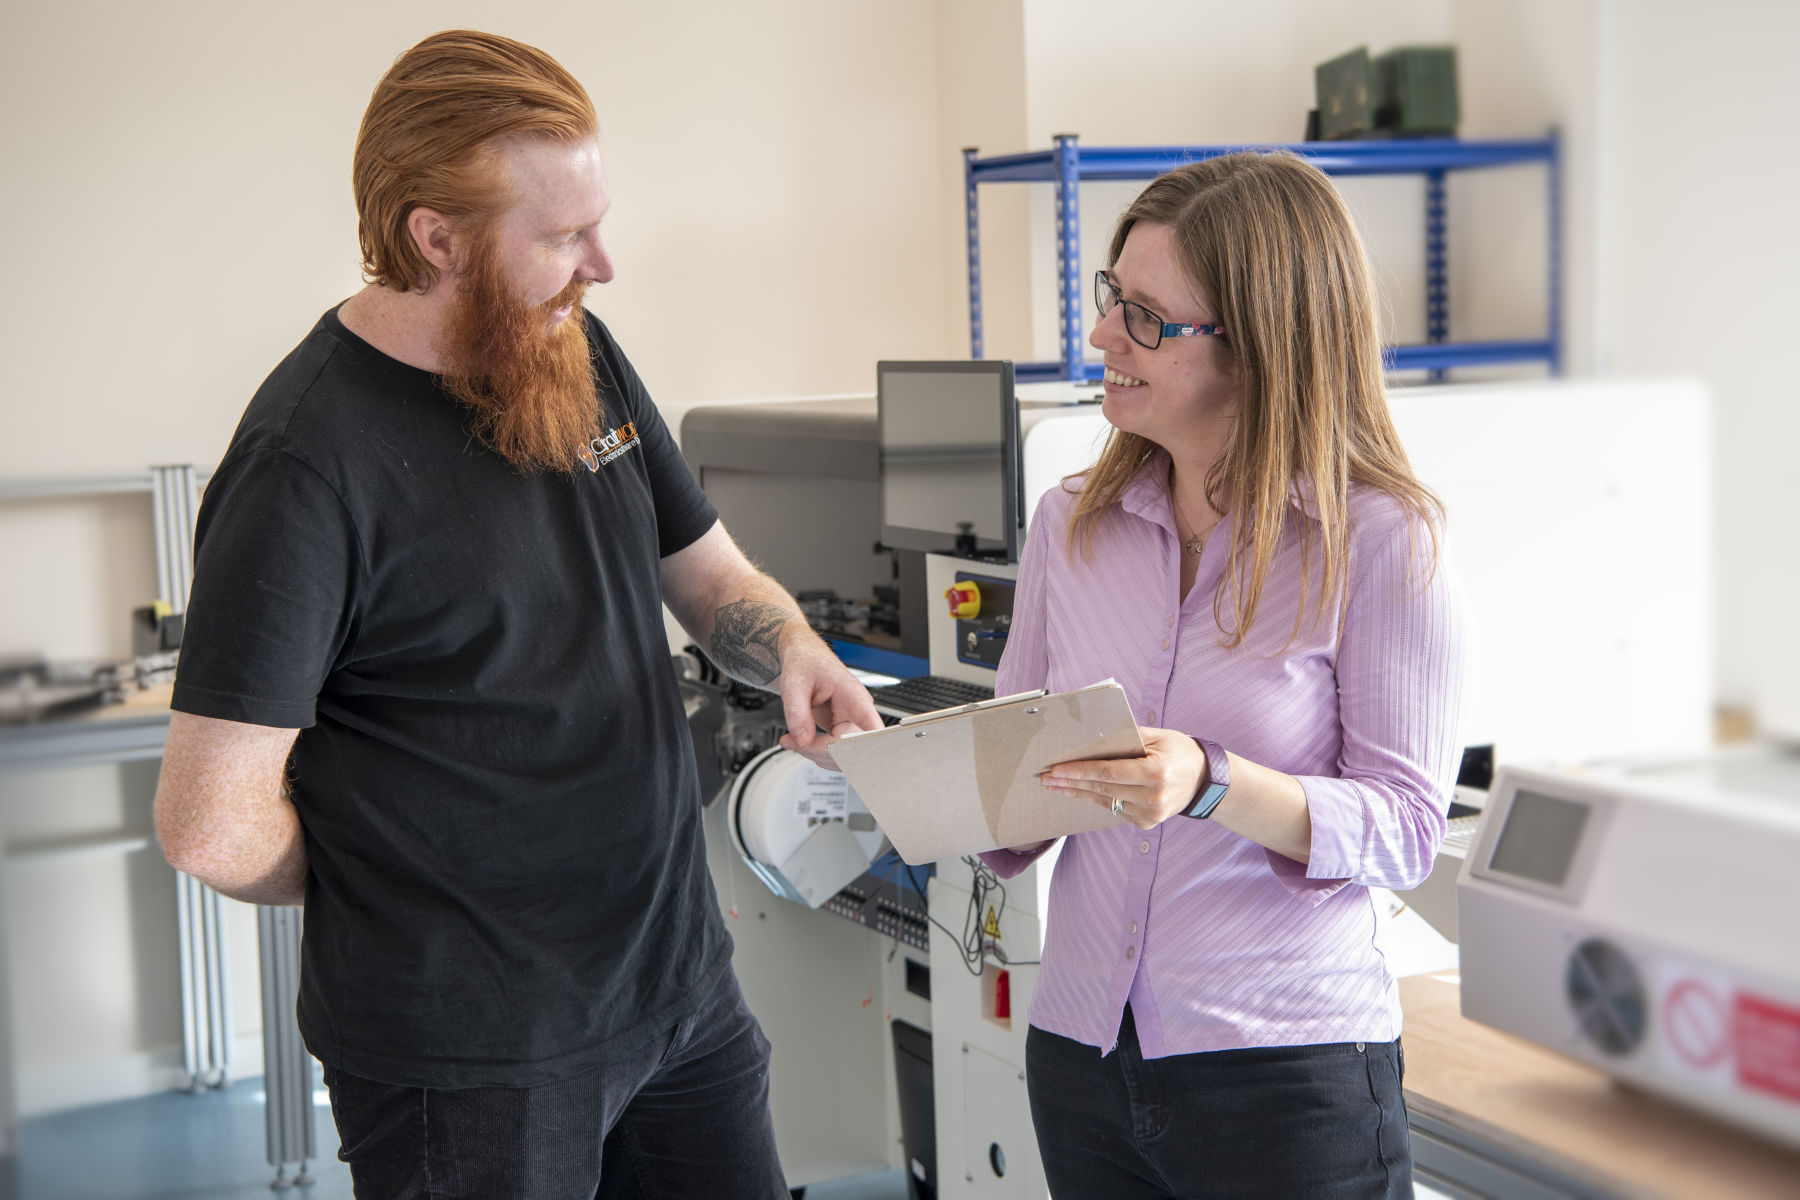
(1195, 544)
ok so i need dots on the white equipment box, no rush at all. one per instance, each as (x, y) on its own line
(1642, 920)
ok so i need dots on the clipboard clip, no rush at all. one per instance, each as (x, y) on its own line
(996, 702)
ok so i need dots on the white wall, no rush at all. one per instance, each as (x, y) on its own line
(982, 100)
(176, 216)
(1701, 258)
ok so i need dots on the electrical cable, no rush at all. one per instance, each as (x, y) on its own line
(987, 883)
(971, 965)
(973, 943)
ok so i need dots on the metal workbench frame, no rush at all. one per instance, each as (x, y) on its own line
(1068, 164)
(200, 919)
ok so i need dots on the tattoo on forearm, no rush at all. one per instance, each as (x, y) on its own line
(746, 640)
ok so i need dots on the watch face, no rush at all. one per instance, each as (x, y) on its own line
(1218, 779)
(1209, 797)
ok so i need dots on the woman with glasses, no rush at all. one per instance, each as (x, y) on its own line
(1253, 559)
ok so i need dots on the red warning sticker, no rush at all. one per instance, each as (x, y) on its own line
(1767, 1037)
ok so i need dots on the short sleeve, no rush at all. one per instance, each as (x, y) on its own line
(683, 513)
(276, 568)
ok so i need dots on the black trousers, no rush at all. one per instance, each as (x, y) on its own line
(687, 1116)
(1320, 1122)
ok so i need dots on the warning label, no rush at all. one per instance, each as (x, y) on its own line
(1768, 1047)
(1717, 1033)
(1697, 1024)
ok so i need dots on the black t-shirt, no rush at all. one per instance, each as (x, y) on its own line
(507, 879)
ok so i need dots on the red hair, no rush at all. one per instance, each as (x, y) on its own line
(429, 133)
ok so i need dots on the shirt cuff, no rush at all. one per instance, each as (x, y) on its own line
(1007, 863)
(1336, 809)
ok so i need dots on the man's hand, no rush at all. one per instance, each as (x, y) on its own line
(753, 631)
(818, 691)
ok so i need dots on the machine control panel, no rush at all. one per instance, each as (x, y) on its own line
(982, 607)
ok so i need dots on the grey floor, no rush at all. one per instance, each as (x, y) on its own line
(211, 1146)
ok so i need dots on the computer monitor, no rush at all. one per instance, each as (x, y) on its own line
(948, 435)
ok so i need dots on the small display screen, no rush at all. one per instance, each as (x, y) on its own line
(946, 437)
(1540, 837)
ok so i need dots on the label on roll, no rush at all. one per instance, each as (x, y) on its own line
(822, 793)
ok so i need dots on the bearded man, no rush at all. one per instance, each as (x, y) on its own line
(424, 687)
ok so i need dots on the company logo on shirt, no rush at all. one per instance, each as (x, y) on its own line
(608, 446)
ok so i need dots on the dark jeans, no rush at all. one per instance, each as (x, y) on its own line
(1284, 1122)
(687, 1116)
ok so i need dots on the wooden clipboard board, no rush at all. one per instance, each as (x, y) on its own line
(963, 780)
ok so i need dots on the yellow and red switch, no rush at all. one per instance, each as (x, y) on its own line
(964, 598)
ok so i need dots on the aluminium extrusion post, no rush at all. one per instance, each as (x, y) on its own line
(1068, 252)
(972, 231)
(218, 985)
(287, 1067)
(184, 938)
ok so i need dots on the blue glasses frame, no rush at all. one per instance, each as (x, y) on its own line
(1140, 322)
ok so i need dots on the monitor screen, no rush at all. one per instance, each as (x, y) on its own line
(1540, 838)
(948, 436)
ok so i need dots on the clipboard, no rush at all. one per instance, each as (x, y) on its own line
(963, 780)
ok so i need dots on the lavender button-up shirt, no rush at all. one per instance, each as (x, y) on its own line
(1216, 942)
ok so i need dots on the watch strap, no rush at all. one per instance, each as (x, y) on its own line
(1216, 782)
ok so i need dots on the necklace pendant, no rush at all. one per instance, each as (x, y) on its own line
(1194, 545)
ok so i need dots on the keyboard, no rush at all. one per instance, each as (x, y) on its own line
(926, 693)
(1459, 834)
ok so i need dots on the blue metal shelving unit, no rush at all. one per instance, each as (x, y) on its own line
(1067, 164)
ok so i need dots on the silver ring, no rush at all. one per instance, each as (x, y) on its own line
(1118, 806)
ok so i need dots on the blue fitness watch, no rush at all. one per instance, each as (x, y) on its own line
(1215, 785)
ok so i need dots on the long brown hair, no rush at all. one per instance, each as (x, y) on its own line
(1269, 240)
(428, 134)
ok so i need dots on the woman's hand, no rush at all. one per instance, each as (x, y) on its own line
(1145, 791)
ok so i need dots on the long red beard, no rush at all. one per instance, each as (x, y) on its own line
(530, 386)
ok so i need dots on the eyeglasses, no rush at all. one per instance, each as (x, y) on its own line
(1145, 327)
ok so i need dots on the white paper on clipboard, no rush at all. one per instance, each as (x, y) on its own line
(965, 779)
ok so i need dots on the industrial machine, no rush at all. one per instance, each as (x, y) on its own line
(1641, 920)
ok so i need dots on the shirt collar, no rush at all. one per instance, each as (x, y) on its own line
(1147, 495)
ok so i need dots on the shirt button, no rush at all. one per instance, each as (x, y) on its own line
(1134, 927)
(1171, 620)
(1150, 716)
(1143, 847)
(1130, 952)
(1165, 644)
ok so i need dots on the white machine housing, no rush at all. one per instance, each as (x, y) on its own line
(1642, 921)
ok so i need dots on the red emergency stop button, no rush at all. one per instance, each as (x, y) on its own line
(964, 598)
